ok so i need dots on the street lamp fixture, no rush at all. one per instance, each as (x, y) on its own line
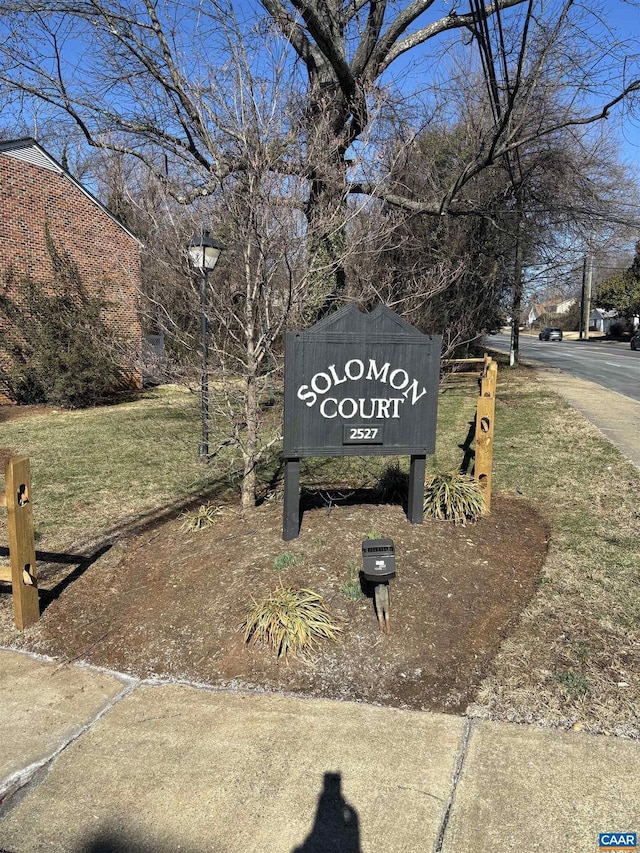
(204, 251)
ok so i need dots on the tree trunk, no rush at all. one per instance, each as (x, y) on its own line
(250, 444)
(326, 210)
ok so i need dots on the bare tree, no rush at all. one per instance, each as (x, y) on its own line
(536, 207)
(262, 284)
(166, 75)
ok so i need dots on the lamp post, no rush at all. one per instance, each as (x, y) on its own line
(204, 252)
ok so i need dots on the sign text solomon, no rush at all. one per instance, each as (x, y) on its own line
(360, 384)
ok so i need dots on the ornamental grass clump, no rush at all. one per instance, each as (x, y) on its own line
(200, 518)
(290, 621)
(455, 497)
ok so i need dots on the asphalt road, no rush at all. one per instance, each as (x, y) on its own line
(612, 364)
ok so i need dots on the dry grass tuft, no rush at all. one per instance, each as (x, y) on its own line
(200, 519)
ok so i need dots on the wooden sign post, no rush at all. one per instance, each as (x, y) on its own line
(359, 385)
(22, 574)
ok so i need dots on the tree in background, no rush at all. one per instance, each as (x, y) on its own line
(527, 214)
(621, 292)
(464, 258)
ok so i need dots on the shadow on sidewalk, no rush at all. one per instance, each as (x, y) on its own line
(114, 841)
(336, 827)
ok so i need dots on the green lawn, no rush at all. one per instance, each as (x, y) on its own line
(95, 468)
(573, 658)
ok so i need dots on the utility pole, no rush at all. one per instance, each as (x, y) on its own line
(516, 304)
(582, 292)
(587, 280)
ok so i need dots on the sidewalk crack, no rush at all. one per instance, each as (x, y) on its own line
(15, 787)
(462, 754)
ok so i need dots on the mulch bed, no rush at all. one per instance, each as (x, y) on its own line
(169, 603)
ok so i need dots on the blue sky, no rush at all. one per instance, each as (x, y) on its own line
(622, 17)
(626, 17)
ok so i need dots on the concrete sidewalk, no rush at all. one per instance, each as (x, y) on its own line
(93, 761)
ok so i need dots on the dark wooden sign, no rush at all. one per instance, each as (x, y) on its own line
(355, 385)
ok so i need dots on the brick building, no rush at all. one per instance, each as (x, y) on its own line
(38, 196)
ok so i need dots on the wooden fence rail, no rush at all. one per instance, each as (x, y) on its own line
(21, 573)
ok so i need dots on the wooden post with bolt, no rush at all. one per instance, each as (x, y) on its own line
(22, 571)
(484, 429)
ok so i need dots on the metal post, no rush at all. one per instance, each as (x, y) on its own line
(291, 514)
(203, 451)
(516, 303)
(269, 362)
(415, 508)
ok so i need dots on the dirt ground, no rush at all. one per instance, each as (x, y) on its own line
(169, 603)
(13, 413)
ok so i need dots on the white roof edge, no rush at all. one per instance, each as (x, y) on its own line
(11, 147)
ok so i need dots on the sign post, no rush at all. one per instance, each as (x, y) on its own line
(359, 385)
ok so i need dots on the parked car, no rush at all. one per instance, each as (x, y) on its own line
(549, 334)
(635, 341)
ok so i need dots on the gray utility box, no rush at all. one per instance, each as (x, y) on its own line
(379, 560)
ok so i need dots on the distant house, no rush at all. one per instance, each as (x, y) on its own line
(40, 200)
(601, 320)
(536, 311)
(544, 311)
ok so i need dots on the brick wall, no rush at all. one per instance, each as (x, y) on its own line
(33, 198)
